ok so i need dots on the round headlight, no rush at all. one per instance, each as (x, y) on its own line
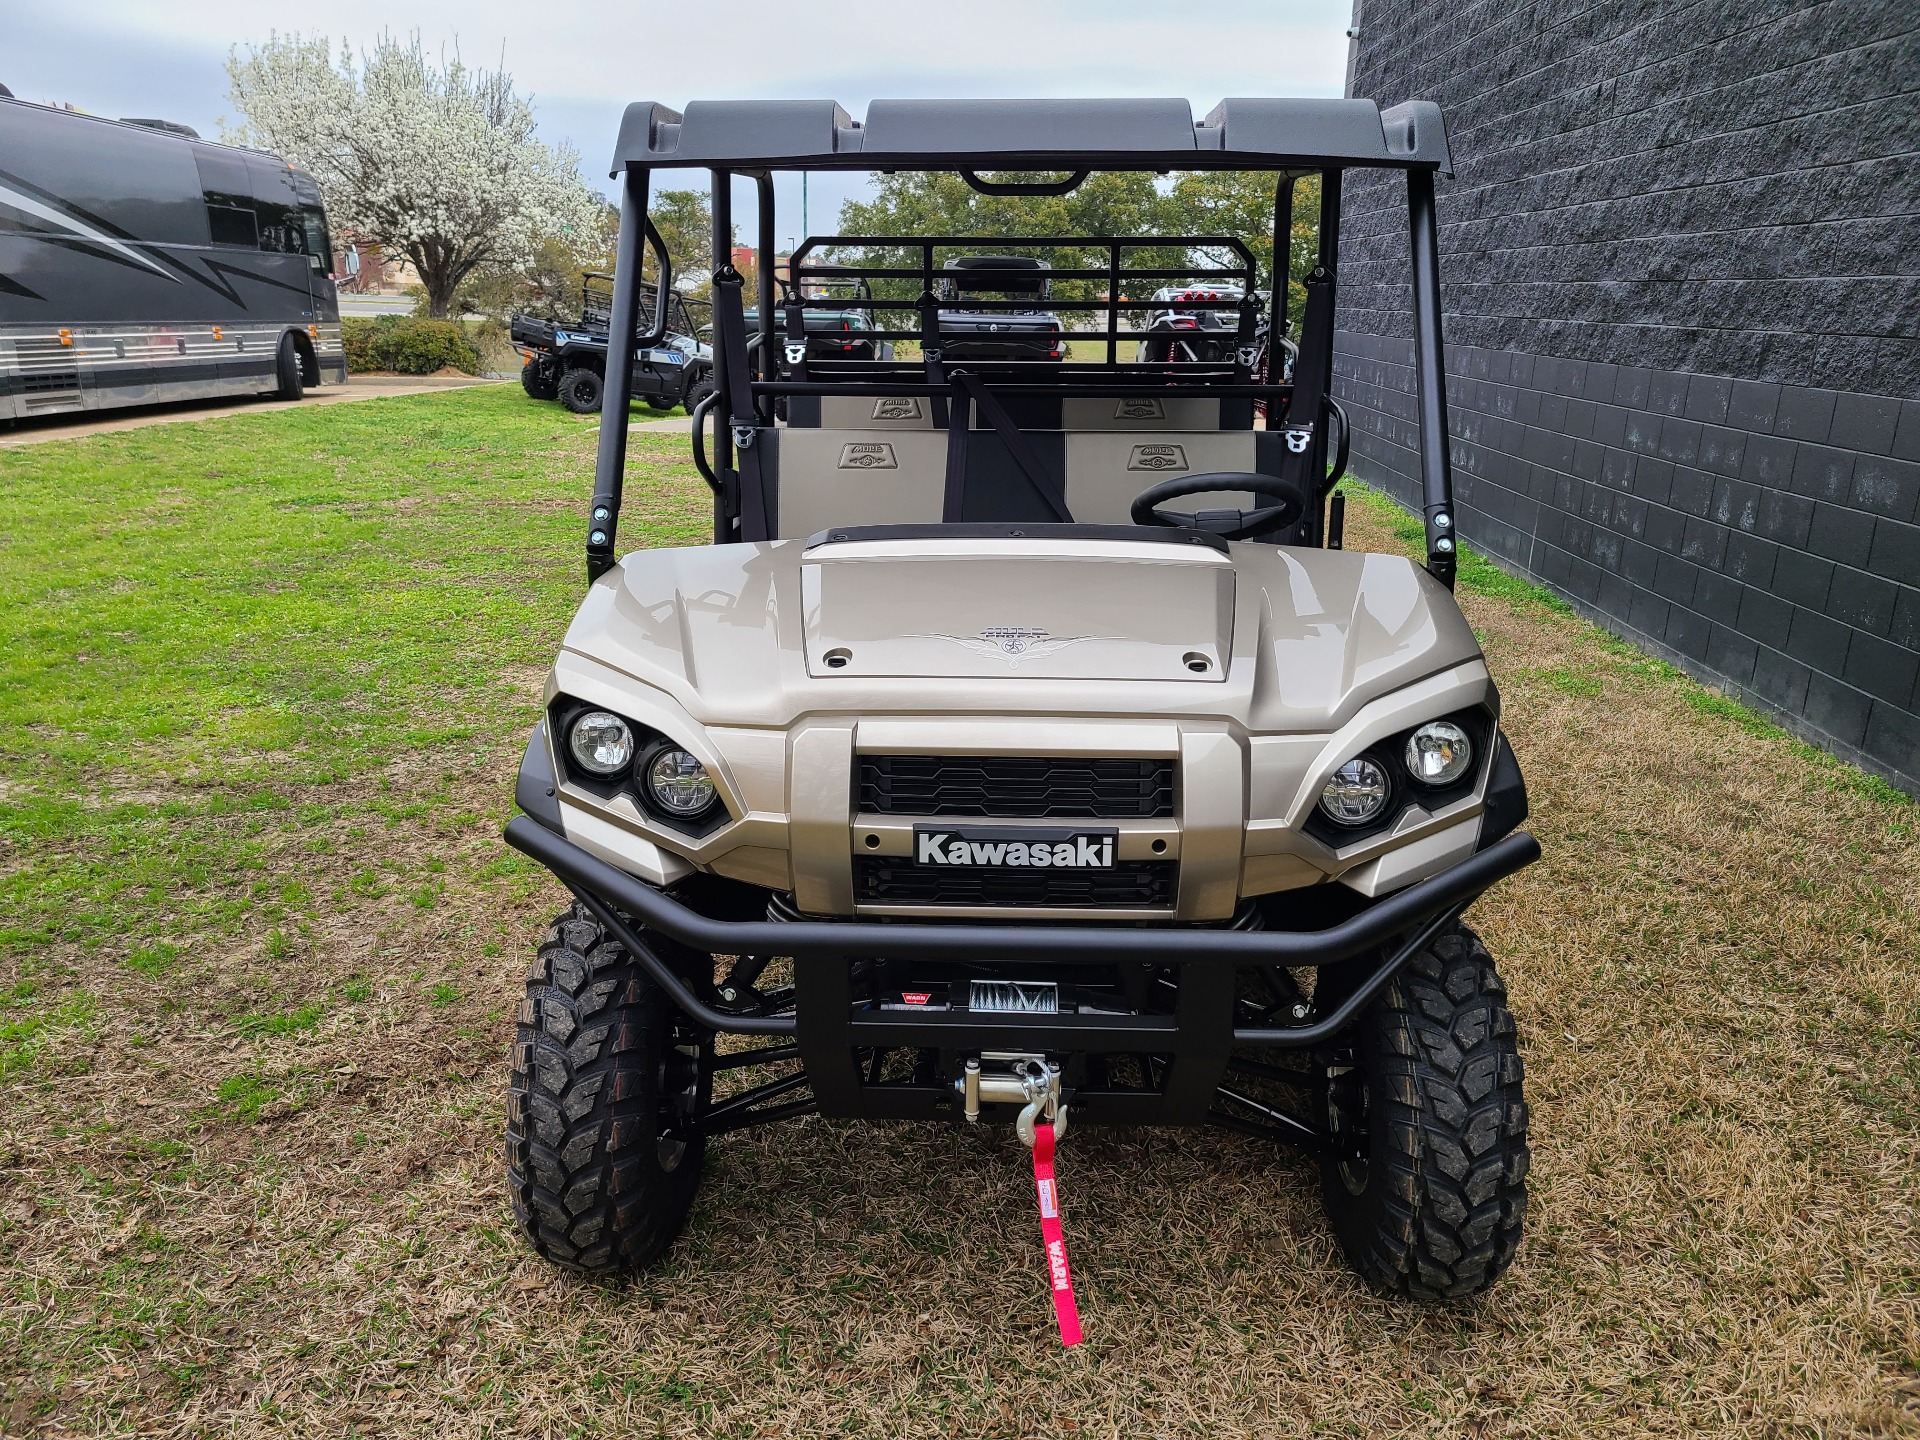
(1357, 792)
(1439, 753)
(679, 783)
(602, 743)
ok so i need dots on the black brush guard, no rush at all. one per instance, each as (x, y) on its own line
(1192, 1047)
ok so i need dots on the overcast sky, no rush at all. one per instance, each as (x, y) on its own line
(164, 58)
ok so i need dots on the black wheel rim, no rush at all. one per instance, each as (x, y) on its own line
(683, 1082)
(1347, 1109)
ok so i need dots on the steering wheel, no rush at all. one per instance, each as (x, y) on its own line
(1228, 524)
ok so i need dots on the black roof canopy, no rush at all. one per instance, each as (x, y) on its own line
(1252, 134)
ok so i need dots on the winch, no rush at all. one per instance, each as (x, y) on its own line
(1029, 1081)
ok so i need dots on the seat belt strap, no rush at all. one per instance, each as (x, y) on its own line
(1051, 492)
(959, 418)
(930, 353)
(795, 350)
(1309, 384)
(727, 286)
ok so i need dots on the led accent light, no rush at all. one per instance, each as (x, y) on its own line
(602, 743)
(1357, 793)
(1438, 753)
(679, 783)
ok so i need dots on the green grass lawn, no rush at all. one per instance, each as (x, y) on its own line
(266, 684)
(247, 614)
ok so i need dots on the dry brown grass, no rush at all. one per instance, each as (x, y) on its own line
(1714, 972)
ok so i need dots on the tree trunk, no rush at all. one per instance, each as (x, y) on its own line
(440, 276)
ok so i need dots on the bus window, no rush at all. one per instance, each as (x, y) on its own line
(229, 196)
(233, 226)
(314, 220)
(276, 206)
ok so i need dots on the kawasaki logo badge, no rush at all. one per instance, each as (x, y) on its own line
(1149, 409)
(897, 407)
(1158, 457)
(870, 455)
(1014, 849)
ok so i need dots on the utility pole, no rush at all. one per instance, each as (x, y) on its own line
(805, 228)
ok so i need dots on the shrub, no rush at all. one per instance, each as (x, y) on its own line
(406, 345)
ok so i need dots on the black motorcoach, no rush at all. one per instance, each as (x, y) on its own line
(141, 264)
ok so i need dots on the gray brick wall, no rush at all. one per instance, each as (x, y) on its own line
(1681, 271)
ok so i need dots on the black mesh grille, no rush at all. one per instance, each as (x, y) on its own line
(1016, 787)
(1130, 885)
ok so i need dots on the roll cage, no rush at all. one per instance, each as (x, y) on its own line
(755, 376)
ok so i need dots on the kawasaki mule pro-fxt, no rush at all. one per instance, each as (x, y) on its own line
(1025, 744)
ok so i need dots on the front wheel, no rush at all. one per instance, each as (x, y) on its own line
(289, 375)
(608, 1078)
(697, 390)
(580, 390)
(1425, 1176)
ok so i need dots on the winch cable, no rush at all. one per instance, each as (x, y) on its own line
(730, 313)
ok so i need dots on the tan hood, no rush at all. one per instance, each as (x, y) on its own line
(1273, 639)
(1074, 610)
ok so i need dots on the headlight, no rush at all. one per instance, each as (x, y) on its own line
(1439, 753)
(602, 743)
(1357, 793)
(678, 783)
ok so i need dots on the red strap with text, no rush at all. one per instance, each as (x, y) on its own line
(1058, 1276)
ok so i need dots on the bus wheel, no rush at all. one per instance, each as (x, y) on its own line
(291, 383)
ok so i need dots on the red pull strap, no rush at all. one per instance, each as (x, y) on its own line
(1059, 1277)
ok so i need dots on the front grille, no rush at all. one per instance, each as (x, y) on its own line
(1130, 885)
(1016, 787)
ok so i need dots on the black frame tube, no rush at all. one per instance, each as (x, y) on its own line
(623, 320)
(1282, 279)
(726, 504)
(677, 989)
(1430, 378)
(763, 277)
(596, 881)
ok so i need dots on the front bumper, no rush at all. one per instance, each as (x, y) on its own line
(836, 1035)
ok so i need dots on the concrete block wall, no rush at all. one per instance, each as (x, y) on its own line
(1680, 265)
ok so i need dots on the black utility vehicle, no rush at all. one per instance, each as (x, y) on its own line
(567, 360)
(1026, 742)
(992, 309)
(842, 334)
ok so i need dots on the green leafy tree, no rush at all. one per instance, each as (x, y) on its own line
(1240, 202)
(1120, 203)
(935, 202)
(685, 222)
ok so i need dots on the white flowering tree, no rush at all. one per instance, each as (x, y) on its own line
(437, 163)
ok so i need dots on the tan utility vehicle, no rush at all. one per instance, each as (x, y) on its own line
(1026, 741)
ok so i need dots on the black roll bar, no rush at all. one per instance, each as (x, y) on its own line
(637, 232)
(1430, 378)
(763, 276)
(623, 318)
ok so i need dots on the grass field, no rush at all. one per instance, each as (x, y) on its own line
(266, 682)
